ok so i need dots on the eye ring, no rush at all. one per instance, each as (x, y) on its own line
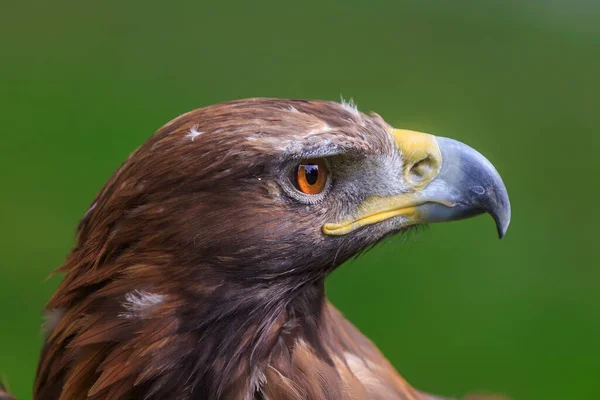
(290, 187)
(311, 176)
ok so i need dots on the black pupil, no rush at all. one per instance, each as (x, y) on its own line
(312, 173)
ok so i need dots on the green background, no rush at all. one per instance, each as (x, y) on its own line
(84, 83)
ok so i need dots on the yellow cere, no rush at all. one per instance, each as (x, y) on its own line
(422, 161)
(421, 156)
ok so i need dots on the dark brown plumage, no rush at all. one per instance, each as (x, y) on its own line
(198, 272)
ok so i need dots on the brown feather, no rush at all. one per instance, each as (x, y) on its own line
(193, 275)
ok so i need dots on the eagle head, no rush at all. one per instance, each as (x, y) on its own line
(209, 245)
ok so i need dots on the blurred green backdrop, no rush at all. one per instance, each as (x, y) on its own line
(83, 83)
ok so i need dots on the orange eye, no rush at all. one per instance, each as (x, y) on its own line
(311, 176)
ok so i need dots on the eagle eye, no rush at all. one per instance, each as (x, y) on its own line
(310, 176)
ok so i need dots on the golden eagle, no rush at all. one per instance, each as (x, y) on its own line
(198, 272)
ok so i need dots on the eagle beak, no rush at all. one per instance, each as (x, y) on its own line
(448, 181)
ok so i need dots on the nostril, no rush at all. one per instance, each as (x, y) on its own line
(421, 171)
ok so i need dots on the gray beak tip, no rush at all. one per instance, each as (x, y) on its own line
(502, 230)
(476, 184)
(499, 207)
(502, 221)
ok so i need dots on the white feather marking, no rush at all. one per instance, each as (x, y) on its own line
(350, 106)
(322, 129)
(258, 380)
(362, 370)
(51, 319)
(140, 303)
(89, 211)
(194, 133)
(292, 109)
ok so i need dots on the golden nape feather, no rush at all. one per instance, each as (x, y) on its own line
(198, 271)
